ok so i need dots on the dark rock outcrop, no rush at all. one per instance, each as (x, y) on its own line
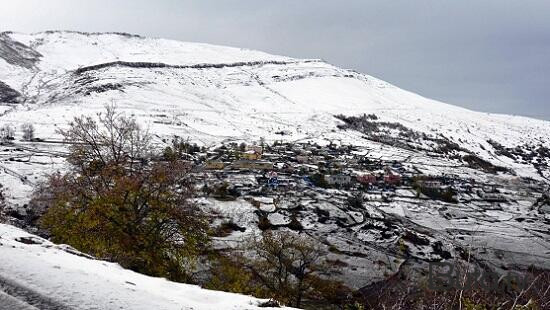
(16, 53)
(8, 94)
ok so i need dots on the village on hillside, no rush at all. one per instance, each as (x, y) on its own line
(372, 210)
(366, 209)
(240, 169)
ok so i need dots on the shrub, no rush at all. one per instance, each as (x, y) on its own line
(230, 275)
(284, 267)
(355, 201)
(319, 180)
(224, 192)
(242, 147)
(295, 224)
(404, 292)
(476, 162)
(227, 228)
(179, 149)
(264, 223)
(116, 204)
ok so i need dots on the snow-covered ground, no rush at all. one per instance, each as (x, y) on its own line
(36, 272)
(212, 94)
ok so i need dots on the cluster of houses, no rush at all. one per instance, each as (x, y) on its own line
(248, 159)
(388, 178)
(339, 169)
(290, 165)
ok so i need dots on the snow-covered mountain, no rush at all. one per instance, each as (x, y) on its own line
(212, 95)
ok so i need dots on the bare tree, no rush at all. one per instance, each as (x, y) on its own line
(28, 131)
(6, 133)
(292, 267)
(112, 140)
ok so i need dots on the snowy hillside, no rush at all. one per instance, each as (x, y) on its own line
(192, 87)
(214, 95)
(36, 272)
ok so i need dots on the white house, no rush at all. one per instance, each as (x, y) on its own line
(338, 179)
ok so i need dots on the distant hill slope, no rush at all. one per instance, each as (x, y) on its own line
(211, 93)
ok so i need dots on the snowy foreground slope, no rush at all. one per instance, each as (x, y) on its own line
(214, 95)
(35, 272)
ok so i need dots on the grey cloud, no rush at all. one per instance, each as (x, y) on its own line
(490, 56)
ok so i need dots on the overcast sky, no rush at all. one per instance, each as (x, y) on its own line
(489, 56)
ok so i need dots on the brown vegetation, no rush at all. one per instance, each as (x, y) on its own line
(284, 266)
(399, 292)
(116, 203)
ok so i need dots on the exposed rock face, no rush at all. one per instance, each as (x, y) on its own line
(8, 94)
(16, 53)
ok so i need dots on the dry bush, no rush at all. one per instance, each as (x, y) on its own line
(399, 293)
(283, 266)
